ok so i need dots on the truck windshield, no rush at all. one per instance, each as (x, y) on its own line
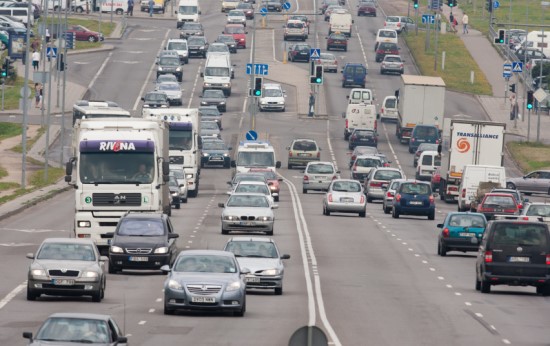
(187, 10)
(116, 168)
(216, 72)
(256, 159)
(181, 140)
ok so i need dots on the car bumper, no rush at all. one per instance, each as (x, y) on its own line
(269, 107)
(346, 207)
(392, 69)
(212, 161)
(327, 67)
(359, 176)
(301, 58)
(301, 160)
(374, 193)
(321, 186)
(388, 116)
(175, 73)
(181, 300)
(461, 244)
(513, 280)
(197, 52)
(80, 288)
(407, 210)
(152, 262)
(263, 282)
(337, 46)
(248, 226)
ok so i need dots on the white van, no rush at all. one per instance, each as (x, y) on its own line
(273, 98)
(389, 108)
(188, 11)
(255, 154)
(20, 13)
(539, 40)
(357, 95)
(341, 22)
(472, 176)
(217, 73)
(180, 46)
(117, 6)
(359, 116)
(428, 162)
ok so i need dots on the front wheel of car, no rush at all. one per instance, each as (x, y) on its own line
(387, 210)
(240, 313)
(369, 199)
(91, 39)
(441, 249)
(278, 291)
(31, 296)
(395, 214)
(112, 268)
(97, 296)
(510, 186)
(184, 200)
(276, 198)
(224, 231)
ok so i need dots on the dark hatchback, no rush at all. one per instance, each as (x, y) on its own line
(299, 52)
(514, 253)
(197, 45)
(363, 137)
(460, 232)
(215, 153)
(191, 29)
(213, 97)
(337, 41)
(170, 65)
(155, 99)
(423, 134)
(366, 8)
(498, 203)
(142, 241)
(229, 40)
(211, 113)
(386, 48)
(272, 5)
(414, 198)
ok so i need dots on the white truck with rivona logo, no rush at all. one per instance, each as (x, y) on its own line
(121, 164)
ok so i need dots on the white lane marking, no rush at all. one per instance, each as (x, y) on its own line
(142, 322)
(96, 76)
(34, 230)
(424, 261)
(194, 85)
(458, 294)
(274, 51)
(493, 327)
(479, 315)
(506, 341)
(151, 310)
(16, 244)
(158, 300)
(449, 286)
(432, 269)
(12, 294)
(396, 160)
(440, 278)
(138, 99)
(331, 151)
(468, 303)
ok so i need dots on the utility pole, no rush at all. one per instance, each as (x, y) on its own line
(25, 100)
(543, 5)
(253, 78)
(61, 159)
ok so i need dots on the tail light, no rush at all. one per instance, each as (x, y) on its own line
(353, 157)
(382, 110)
(334, 177)
(463, 193)
(398, 25)
(389, 194)
(306, 178)
(412, 139)
(482, 209)
(452, 188)
(437, 141)
(363, 201)
(445, 232)
(380, 51)
(386, 164)
(520, 206)
(346, 123)
(489, 257)
(398, 197)
(290, 153)
(375, 126)
(510, 210)
(375, 184)
(329, 197)
(354, 168)
(432, 201)
(547, 259)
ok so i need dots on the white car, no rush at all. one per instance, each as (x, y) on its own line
(318, 175)
(273, 98)
(255, 187)
(388, 111)
(329, 62)
(248, 212)
(236, 17)
(345, 196)
(179, 174)
(363, 165)
(172, 90)
(385, 35)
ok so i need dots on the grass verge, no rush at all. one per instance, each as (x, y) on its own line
(106, 28)
(8, 130)
(30, 142)
(530, 156)
(458, 62)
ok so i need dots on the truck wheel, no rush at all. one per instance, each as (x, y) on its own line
(119, 12)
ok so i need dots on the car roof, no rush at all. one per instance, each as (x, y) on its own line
(320, 163)
(388, 169)
(501, 194)
(251, 182)
(304, 139)
(177, 40)
(69, 240)
(205, 252)
(392, 55)
(368, 157)
(348, 180)
(234, 25)
(272, 86)
(80, 315)
(256, 239)
(464, 213)
(381, 30)
(144, 215)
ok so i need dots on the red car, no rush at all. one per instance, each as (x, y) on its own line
(436, 179)
(366, 9)
(238, 32)
(273, 181)
(82, 33)
(495, 203)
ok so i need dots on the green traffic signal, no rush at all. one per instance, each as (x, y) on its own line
(4, 73)
(318, 80)
(415, 5)
(529, 106)
(257, 92)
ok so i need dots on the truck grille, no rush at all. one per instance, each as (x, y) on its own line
(116, 199)
(176, 160)
(203, 290)
(60, 272)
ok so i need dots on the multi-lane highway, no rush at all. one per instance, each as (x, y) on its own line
(373, 281)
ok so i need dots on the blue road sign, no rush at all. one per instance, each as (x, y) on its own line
(51, 52)
(251, 135)
(428, 18)
(69, 39)
(517, 66)
(286, 6)
(507, 70)
(496, 4)
(315, 53)
(260, 69)
(435, 4)
(263, 11)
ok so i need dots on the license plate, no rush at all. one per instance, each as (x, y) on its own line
(138, 259)
(304, 154)
(346, 199)
(246, 223)
(463, 234)
(252, 279)
(415, 203)
(63, 282)
(519, 259)
(203, 299)
(320, 178)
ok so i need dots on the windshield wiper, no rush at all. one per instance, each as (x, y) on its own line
(82, 341)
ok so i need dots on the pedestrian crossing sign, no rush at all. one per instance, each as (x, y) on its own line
(315, 53)
(51, 52)
(517, 66)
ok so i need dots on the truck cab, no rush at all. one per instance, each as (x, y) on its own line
(255, 154)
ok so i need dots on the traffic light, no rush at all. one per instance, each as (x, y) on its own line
(317, 78)
(501, 39)
(257, 91)
(415, 2)
(530, 99)
(512, 88)
(5, 67)
(61, 63)
(451, 3)
(489, 5)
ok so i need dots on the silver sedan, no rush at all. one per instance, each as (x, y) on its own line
(248, 212)
(173, 91)
(345, 196)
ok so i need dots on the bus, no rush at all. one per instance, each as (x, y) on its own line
(98, 109)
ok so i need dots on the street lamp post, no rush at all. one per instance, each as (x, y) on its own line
(543, 4)
(25, 100)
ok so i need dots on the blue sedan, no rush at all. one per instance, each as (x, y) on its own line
(460, 232)
(414, 197)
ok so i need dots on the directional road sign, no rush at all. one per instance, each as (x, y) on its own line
(315, 53)
(435, 4)
(263, 11)
(286, 6)
(51, 52)
(251, 135)
(517, 66)
(496, 4)
(507, 70)
(69, 39)
(260, 69)
(428, 18)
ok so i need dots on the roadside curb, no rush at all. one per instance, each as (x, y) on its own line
(25, 204)
(105, 48)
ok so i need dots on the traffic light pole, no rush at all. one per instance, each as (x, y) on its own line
(252, 97)
(25, 101)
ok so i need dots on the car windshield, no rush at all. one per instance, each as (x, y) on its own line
(383, 174)
(499, 201)
(301, 48)
(392, 19)
(187, 10)
(258, 249)
(205, 264)
(427, 147)
(248, 201)
(166, 86)
(538, 210)
(256, 188)
(155, 97)
(248, 177)
(166, 78)
(192, 26)
(520, 234)
(209, 112)
(320, 169)
(218, 48)
(178, 173)
(368, 163)
(270, 175)
(392, 103)
(197, 41)
(169, 61)
(226, 39)
(365, 151)
(467, 220)
(66, 252)
(177, 45)
(214, 94)
(273, 93)
(338, 37)
(209, 125)
(415, 189)
(141, 227)
(234, 30)
(326, 56)
(213, 145)
(295, 25)
(392, 59)
(346, 186)
(74, 330)
(304, 146)
(252, 159)
(363, 134)
(387, 34)
(236, 14)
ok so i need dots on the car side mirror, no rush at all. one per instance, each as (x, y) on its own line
(287, 148)
(435, 194)
(103, 258)
(326, 37)
(526, 200)
(109, 235)
(245, 271)
(202, 74)
(173, 236)
(439, 225)
(384, 188)
(30, 255)
(279, 179)
(275, 206)
(165, 268)
(285, 256)
(278, 164)
(246, 32)
(233, 163)
(221, 205)
(143, 99)
(27, 335)
(337, 172)
(122, 340)
(200, 96)
(175, 12)
(342, 71)
(200, 12)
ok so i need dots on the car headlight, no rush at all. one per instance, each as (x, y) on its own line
(205, 154)
(235, 285)
(173, 284)
(204, 103)
(175, 193)
(90, 275)
(263, 102)
(164, 106)
(231, 218)
(201, 48)
(226, 85)
(281, 102)
(189, 175)
(242, 39)
(160, 68)
(38, 273)
(116, 249)
(222, 102)
(178, 69)
(272, 187)
(84, 224)
(206, 84)
(271, 272)
(226, 154)
(161, 250)
(265, 218)
(146, 106)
